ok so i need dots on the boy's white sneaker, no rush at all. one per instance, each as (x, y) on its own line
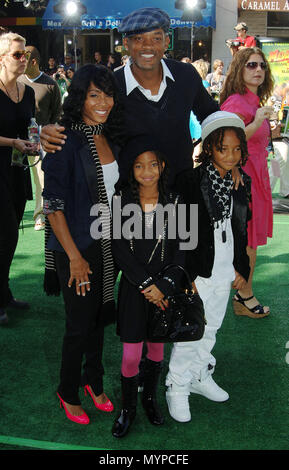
(209, 389)
(178, 402)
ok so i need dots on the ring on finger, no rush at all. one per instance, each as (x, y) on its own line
(83, 283)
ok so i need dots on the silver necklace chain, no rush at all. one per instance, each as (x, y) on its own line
(8, 94)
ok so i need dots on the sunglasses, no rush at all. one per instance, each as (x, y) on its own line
(19, 55)
(254, 65)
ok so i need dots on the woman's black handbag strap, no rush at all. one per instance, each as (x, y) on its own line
(177, 266)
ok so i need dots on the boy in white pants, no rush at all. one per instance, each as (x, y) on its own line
(220, 257)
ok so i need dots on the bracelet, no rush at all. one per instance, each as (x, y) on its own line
(145, 283)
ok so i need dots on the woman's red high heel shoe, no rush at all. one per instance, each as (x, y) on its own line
(107, 406)
(81, 419)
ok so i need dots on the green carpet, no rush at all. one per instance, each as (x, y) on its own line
(250, 355)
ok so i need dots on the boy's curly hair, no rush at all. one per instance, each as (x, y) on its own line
(215, 139)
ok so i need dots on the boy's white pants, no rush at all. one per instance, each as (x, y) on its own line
(193, 360)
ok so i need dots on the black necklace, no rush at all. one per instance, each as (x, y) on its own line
(8, 94)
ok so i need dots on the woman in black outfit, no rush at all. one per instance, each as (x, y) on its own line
(76, 178)
(17, 105)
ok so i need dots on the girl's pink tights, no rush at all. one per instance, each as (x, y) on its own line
(132, 354)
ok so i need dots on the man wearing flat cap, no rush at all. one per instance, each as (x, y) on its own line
(242, 40)
(158, 94)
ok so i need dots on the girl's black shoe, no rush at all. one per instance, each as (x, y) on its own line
(152, 373)
(129, 387)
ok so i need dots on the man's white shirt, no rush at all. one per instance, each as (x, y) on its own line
(132, 83)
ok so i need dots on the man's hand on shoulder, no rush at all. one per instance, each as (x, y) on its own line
(52, 137)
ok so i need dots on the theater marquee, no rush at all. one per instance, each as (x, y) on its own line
(260, 5)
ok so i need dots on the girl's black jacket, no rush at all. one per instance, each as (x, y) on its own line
(134, 265)
(193, 186)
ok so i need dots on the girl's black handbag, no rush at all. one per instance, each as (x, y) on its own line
(184, 318)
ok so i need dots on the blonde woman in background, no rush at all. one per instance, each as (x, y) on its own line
(17, 107)
(216, 79)
(202, 68)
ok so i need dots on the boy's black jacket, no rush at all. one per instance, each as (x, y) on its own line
(193, 185)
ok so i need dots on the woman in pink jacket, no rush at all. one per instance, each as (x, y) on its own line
(247, 87)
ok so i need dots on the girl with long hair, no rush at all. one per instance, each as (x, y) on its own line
(141, 257)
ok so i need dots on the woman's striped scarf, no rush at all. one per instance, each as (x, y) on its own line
(108, 270)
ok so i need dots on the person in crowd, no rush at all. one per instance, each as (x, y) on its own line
(195, 127)
(79, 176)
(52, 68)
(247, 87)
(98, 58)
(17, 108)
(279, 168)
(48, 110)
(68, 61)
(69, 74)
(216, 79)
(62, 81)
(202, 68)
(158, 94)
(219, 258)
(112, 61)
(242, 40)
(140, 259)
(279, 165)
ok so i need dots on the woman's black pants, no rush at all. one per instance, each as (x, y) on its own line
(84, 328)
(11, 215)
